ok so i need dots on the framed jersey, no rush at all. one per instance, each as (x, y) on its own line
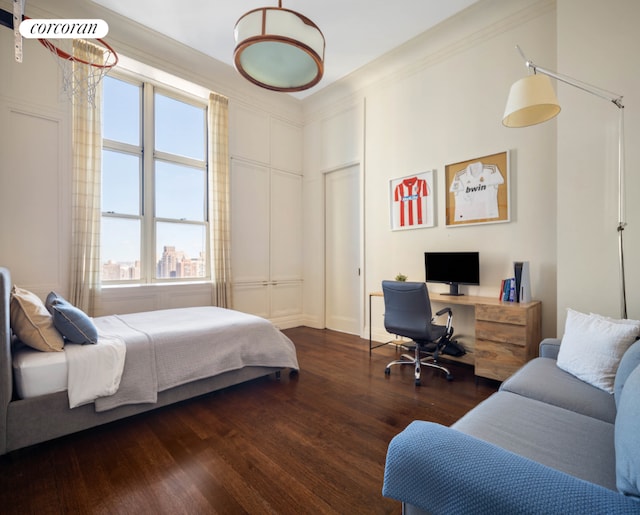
(478, 190)
(411, 201)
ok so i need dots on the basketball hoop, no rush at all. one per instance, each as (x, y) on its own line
(83, 63)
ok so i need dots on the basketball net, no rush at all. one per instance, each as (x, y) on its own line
(83, 63)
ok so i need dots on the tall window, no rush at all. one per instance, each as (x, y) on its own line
(154, 184)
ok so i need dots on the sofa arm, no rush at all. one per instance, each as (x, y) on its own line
(442, 470)
(549, 348)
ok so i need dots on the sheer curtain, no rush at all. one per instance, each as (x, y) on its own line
(87, 163)
(218, 185)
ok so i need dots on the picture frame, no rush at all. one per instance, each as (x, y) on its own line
(412, 201)
(477, 190)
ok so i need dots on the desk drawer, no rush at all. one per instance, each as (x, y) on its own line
(498, 360)
(500, 332)
(504, 313)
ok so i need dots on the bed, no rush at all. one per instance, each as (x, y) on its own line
(164, 357)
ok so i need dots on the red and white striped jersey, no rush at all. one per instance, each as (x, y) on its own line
(410, 201)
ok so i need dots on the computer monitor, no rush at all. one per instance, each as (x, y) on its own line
(452, 268)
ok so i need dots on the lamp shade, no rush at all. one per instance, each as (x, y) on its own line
(531, 101)
(279, 49)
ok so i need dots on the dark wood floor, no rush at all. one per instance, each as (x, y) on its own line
(312, 443)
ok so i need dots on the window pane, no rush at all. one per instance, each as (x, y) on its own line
(180, 250)
(180, 192)
(121, 113)
(180, 128)
(120, 249)
(120, 183)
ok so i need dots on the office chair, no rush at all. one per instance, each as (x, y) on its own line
(407, 312)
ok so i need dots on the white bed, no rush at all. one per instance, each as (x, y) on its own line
(141, 354)
(170, 356)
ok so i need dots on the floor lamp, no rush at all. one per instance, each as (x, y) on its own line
(532, 101)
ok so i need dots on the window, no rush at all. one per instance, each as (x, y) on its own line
(154, 184)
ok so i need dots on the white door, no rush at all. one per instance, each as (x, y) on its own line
(342, 234)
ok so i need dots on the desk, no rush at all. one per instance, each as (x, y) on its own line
(507, 334)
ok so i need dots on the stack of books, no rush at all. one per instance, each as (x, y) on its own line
(508, 290)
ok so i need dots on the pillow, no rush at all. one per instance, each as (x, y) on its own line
(32, 323)
(72, 322)
(628, 363)
(627, 450)
(592, 347)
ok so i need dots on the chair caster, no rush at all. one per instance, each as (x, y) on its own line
(449, 377)
(387, 371)
(417, 382)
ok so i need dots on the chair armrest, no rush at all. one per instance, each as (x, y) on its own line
(442, 470)
(443, 311)
(549, 348)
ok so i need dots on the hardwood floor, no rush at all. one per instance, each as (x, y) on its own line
(312, 443)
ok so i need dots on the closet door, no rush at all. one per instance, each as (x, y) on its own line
(250, 205)
(286, 244)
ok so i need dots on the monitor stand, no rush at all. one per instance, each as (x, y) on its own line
(453, 290)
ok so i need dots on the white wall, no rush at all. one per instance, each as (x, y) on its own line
(598, 43)
(437, 101)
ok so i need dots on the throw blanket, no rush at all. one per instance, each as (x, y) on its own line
(171, 347)
(94, 370)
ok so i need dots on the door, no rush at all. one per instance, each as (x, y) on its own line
(342, 250)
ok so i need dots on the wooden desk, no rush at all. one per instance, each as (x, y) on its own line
(507, 334)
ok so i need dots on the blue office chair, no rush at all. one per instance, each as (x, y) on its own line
(407, 312)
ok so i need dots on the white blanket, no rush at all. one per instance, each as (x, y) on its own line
(94, 370)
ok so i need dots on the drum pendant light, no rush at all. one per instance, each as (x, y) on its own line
(279, 49)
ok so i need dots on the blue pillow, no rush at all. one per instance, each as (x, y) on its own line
(630, 360)
(626, 437)
(71, 322)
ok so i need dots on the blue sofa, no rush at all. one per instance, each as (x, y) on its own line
(545, 443)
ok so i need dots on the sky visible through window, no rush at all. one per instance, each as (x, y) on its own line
(180, 189)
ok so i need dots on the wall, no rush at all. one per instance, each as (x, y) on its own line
(35, 145)
(588, 277)
(439, 100)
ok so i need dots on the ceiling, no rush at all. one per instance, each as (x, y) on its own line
(356, 31)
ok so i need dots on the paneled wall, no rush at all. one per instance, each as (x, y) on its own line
(266, 215)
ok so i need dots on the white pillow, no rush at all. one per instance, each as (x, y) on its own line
(592, 347)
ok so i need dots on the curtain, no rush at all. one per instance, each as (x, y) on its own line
(218, 191)
(87, 163)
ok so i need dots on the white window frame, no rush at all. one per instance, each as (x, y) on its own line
(148, 220)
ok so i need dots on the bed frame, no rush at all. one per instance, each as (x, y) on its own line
(25, 422)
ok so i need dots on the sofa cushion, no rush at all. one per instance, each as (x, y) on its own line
(626, 437)
(32, 323)
(558, 438)
(72, 323)
(541, 379)
(628, 363)
(592, 347)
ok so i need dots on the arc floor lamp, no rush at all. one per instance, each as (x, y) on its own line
(532, 101)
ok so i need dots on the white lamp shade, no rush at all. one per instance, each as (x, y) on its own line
(279, 49)
(531, 101)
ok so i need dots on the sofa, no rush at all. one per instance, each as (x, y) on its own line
(549, 441)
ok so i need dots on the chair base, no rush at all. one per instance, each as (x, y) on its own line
(418, 362)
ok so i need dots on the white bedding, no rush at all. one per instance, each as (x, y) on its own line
(86, 371)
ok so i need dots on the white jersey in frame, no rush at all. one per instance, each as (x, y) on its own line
(476, 192)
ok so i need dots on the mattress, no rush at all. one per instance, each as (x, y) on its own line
(38, 373)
